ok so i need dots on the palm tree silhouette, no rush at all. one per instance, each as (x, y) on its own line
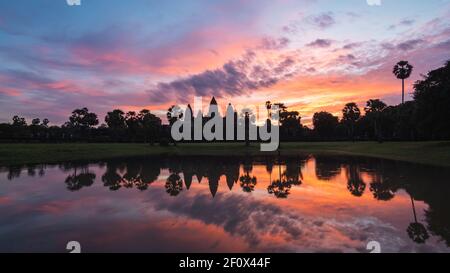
(417, 231)
(374, 109)
(350, 115)
(268, 107)
(402, 70)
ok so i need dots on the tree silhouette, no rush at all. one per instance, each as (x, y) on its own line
(18, 121)
(402, 70)
(375, 106)
(45, 122)
(150, 125)
(268, 107)
(432, 100)
(82, 118)
(132, 121)
(374, 109)
(350, 115)
(115, 119)
(36, 121)
(281, 108)
(116, 122)
(173, 114)
(325, 124)
(290, 124)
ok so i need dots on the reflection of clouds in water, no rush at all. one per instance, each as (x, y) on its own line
(270, 228)
(314, 220)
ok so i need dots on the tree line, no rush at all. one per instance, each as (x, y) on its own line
(426, 117)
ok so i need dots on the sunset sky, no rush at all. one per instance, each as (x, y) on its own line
(313, 55)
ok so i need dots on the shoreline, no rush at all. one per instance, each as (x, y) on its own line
(435, 153)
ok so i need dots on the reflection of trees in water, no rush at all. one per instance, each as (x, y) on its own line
(137, 173)
(292, 176)
(80, 178)
(327, 167)
(387, 177)
(248, 182)
(438, 221)
(423, 183)
(111, 178)
(174, 184)
(14, 172)
(33, 170)
(438, 211)
(381, 189)
(279, 188)
(417, 231)
(269, 163)
(148, 174)
(355, 184)
(293, 172)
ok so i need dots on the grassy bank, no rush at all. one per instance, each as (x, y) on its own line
(433, 153)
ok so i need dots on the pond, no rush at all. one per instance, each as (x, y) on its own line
(306, 203)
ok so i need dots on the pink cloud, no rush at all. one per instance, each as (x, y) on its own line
(193, 52)
(10, 91)
(5, 200)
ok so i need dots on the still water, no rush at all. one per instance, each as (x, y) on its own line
(305, 203)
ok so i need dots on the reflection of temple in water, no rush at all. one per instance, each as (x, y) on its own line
(383, 179)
